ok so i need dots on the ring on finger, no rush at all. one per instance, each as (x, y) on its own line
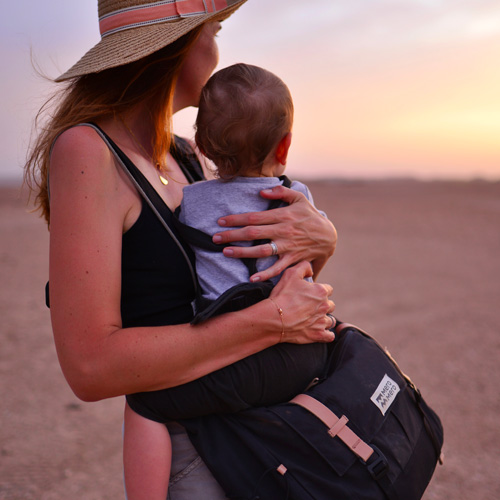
(334, 321)
(274, 248)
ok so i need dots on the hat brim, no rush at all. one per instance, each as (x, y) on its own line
(133, 44)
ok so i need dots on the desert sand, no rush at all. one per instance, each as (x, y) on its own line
(417, 265)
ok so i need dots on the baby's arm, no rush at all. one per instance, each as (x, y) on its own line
(147, 457)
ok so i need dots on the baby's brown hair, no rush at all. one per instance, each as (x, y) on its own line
(244, 113)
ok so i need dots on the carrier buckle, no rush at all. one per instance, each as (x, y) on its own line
(378, 467)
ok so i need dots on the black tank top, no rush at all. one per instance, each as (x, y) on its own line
(157, 282)
(156, 285)
(157, 288)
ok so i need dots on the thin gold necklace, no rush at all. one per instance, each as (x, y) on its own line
(159, 166)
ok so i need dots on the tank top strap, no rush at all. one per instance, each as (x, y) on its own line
(148, 193)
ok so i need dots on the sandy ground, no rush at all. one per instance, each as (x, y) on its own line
(417, 264)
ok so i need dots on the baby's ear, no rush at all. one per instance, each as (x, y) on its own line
(282, 148)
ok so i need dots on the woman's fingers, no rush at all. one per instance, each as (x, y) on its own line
(289, 196)
(331, 321)
(275, 270)
(305, 306)
(252, 225)
(302, 270)
(329, 336)
(263, 218)
(268, 249)
(254, 228)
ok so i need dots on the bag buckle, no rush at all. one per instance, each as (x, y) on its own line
(378, 467)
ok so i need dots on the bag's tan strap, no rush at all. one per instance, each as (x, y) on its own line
(336, 426)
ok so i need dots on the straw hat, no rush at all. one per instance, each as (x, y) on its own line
(132, 29)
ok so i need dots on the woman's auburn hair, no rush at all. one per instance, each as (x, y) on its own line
(107, 94)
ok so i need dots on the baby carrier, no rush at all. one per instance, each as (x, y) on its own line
(239, 296)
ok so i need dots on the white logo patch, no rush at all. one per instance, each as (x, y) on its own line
(385, 394)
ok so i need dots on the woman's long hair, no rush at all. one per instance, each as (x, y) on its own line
(108, 93)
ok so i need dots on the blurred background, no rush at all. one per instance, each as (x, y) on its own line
(382, 88)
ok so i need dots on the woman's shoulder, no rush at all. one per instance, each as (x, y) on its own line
(80, 141)
(84, 174)
(81, 148)
(80, 159)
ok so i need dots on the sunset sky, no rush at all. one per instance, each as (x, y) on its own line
(382, 88)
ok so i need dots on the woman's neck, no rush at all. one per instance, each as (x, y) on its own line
(138, 126)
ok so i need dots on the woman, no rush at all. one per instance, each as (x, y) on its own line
(120, 290)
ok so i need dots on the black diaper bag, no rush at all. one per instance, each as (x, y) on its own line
(363, 432)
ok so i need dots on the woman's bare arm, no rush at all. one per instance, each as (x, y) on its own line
(299, 231)
(90, 204)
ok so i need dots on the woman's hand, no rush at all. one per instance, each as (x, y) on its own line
(304, 306)
(298, 230)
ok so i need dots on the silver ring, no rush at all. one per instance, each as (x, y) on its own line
(334, 321)
(274, 248)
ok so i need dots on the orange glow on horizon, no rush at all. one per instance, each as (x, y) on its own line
(425, 119)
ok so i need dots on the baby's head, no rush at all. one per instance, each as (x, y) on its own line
(244, 113)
